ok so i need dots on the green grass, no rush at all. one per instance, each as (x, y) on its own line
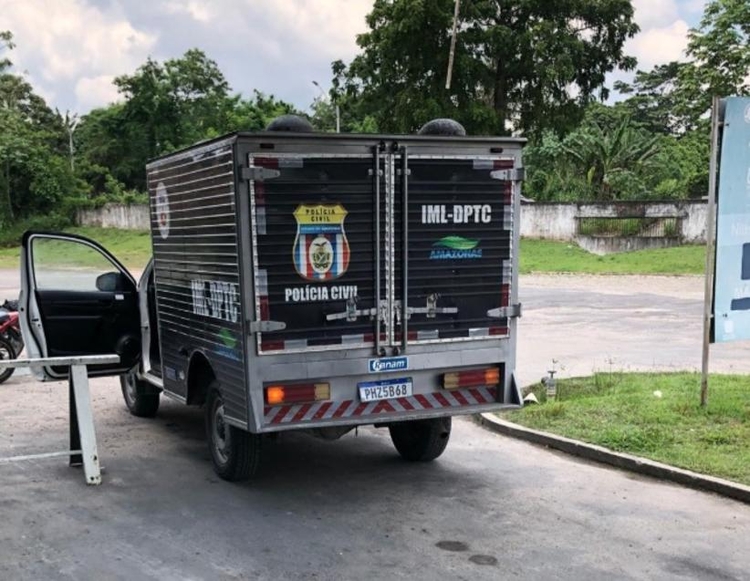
(131, 247)
(621, 412)
(550, 256)
(134, 248)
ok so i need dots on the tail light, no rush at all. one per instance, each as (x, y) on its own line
(475, 378)
(297, 393)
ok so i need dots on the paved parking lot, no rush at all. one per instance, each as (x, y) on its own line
(490, 508)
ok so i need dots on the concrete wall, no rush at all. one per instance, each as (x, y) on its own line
(134, 217)
(549, 221)
(558, 221)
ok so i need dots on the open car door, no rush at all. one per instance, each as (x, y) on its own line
(77, 299)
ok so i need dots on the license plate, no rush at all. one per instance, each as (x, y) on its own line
(387, 389)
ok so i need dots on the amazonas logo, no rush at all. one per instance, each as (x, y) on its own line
(456, 248)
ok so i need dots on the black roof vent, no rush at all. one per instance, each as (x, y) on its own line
(291, 123)
(443, 127)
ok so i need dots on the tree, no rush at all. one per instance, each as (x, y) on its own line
(170, 105)
(6, 43)
(654, 98)
(521, 64)
(719, 50)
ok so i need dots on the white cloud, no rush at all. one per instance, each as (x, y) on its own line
(198, 10)
(96, 91)
(68, 41)
(328, 28)
(655, 13)
(695, 6)
(659, 45)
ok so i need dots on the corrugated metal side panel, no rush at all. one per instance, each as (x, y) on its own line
(196, 268)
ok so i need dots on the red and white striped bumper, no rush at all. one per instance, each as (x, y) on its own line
(328, 411)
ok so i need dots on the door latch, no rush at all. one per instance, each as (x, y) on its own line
(431, 310)
(352, 313)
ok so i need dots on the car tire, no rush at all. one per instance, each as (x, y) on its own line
(140, 398)
(421, 440)
(235, 453)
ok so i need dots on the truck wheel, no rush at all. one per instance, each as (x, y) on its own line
(421, 440)
(140, 399)
(235, 453)
(6, 352)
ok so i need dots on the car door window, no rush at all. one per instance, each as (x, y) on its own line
(72, 265)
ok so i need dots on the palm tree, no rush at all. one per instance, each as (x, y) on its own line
(601, 154)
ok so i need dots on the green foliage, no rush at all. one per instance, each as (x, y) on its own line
(526, 64)
(653, 415)
(10, 236)
(719, 50)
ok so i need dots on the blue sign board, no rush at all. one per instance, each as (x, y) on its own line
(732, 282)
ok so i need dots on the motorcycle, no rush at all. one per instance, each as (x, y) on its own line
(11, 341)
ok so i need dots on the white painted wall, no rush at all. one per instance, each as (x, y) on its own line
(133, 217)
(558, 221)
(549, 221)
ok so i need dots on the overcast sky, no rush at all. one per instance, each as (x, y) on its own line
(70, 50)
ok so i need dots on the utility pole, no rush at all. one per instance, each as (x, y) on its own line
(452, 53)
(335, 105)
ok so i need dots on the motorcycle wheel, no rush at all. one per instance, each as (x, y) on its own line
(6, 352)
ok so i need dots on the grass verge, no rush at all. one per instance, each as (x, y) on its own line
(551, 256)
(656, 416)
(131, 247)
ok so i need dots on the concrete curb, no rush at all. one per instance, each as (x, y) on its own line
(626, 461)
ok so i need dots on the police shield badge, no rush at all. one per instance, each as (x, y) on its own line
(321, 250)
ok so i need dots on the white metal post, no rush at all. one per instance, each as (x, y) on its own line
(710, 248)
(80, 380)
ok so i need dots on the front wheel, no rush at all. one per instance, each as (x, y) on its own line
(421, 440)
(235, 453)
(6, 353)
(141, 399)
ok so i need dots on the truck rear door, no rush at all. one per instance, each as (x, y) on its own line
(382, 245)
(317, 221)
(453, 252)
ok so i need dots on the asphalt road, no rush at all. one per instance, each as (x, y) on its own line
(489, 508)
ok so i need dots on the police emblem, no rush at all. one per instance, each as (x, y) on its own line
(321, 250)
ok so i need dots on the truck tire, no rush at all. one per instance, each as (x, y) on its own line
(139, 397)
(6, 352)
(421, 440)
(235, 453)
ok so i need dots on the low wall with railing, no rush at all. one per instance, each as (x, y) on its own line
(617, 226)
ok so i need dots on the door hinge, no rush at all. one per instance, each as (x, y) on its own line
(517, 174)
(505, 312)
(266, 326)
(259, 173)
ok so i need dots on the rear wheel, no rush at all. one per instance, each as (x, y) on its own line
(6, 352)
(235, 453)
(421, 440)
(142, 399)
